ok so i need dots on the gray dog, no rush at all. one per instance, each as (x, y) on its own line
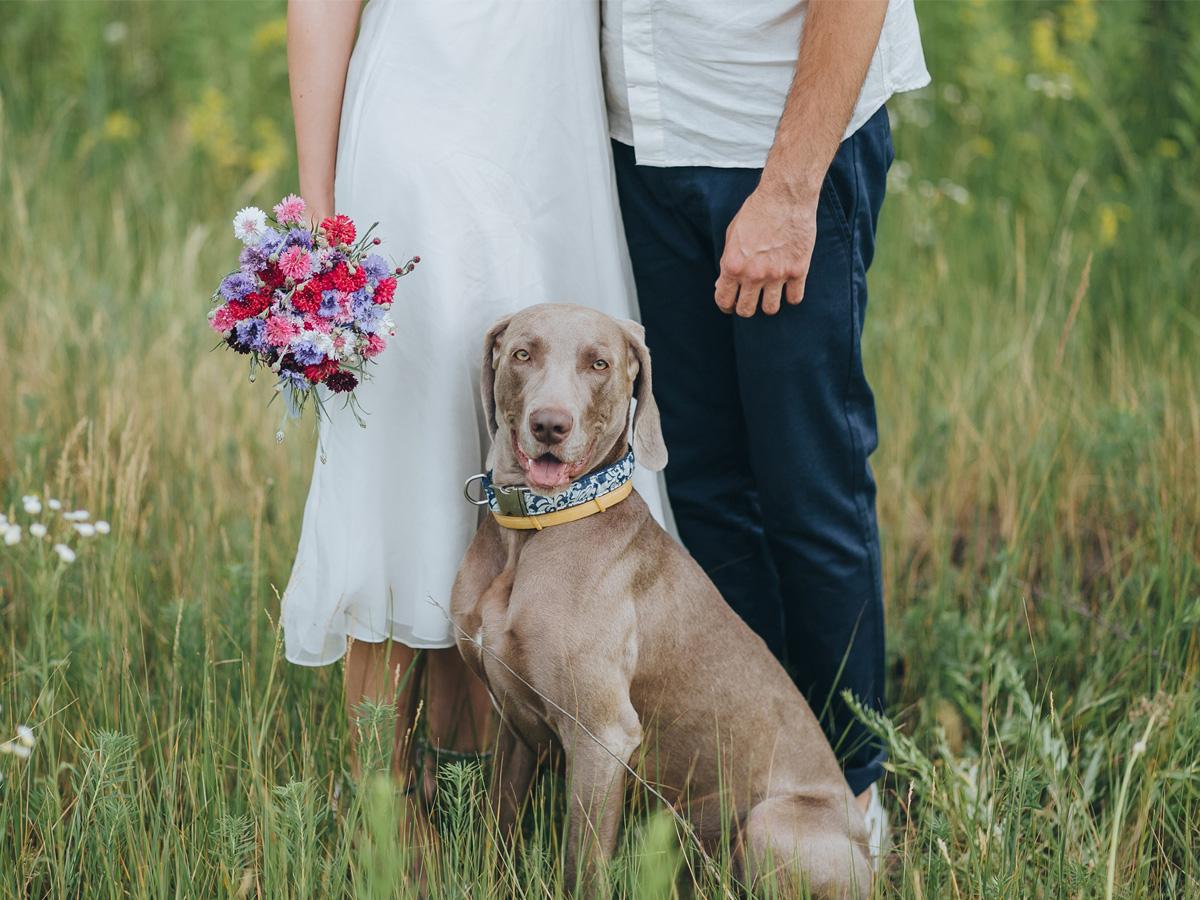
(597, 634)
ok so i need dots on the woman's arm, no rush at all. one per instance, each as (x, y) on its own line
(320, 37)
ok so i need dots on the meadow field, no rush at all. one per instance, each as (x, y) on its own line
(1033, 341)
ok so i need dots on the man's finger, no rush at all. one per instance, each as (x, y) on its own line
(726, 293)
(794, 290)
(747, 301)
(771, 297)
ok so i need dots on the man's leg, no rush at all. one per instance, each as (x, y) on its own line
(695, 382)
(811, 420)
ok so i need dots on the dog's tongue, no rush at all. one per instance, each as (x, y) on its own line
(547, 472)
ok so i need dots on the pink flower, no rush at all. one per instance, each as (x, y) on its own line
(222, 319)
(281, 330)
(375, 346)
(295, 263)
(289, 210)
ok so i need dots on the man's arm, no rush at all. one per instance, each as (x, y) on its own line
(769, 243)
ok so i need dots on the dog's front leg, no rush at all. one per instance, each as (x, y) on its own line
(596, 769)
(515, 764)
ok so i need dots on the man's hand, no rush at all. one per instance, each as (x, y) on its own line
(769, 243)
(768, 248)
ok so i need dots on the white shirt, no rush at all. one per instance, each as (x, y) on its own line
(703, 82)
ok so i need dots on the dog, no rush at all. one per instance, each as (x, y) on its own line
(600, 637)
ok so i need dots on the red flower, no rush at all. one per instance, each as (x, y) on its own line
(340, 278)
(257, 302)
(321, 371)
(384, 291)
(341, 382)
(338, 229)
(239, 309)
(306, 299)
(271, 276)
(375, 346)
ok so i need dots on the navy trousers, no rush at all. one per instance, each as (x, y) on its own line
(769, 422)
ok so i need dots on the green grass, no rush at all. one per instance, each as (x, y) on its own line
(1039, 490)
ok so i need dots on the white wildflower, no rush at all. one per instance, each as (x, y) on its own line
(3, 521)
(54, 504)
(12, 535)
(115, 32)
(102, 527)
(65, 553)
(79, 515)
(1139, 748)
(32, 505)
(249, 225)
(25, 735)
(86, 529)
(38, 530)
(17, 749)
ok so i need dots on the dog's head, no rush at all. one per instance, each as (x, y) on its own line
(557, 383)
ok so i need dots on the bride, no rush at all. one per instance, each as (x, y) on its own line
(474, 132)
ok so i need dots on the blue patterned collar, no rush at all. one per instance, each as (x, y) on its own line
(519, 500)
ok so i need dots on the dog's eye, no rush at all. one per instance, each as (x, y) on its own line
(600, 365)
(522, 355)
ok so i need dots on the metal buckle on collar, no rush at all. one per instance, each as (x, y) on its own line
(510, 500)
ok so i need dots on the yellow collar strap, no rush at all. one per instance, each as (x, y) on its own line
(570, 514)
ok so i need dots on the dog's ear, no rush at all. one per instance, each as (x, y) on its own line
(487, 375)
(649, 448)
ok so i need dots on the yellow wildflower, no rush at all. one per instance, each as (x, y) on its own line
(271, 154)
(119, 126)
(269, 35)
(1079, 20)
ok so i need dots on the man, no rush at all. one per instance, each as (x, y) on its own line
(752, 149)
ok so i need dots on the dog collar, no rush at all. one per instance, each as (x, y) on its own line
(520, 508)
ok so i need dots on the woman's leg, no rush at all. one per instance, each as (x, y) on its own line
(458, 711)
(383, 673)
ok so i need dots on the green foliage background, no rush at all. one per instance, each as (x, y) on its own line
(1033, 342)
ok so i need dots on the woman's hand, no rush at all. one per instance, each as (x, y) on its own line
(320, 37)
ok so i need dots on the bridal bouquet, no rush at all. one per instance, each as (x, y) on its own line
(308, 302)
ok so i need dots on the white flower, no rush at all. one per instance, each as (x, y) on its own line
(102, 527)
(54, 504)
(3, 521)
(87, 529)
(12, 535)
(38, 530)
(32, 505)
(25, 735)
(20, 751)
(79, 515)
(65, 553)
(1139, 748)
(249, 225)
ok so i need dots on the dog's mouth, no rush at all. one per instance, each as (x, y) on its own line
(548, 472)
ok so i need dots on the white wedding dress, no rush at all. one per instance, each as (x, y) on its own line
(474, 132)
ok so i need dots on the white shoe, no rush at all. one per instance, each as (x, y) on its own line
(878, 831)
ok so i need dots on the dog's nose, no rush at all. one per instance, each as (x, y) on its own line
(550, 424)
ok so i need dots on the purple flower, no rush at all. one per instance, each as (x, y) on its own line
(237, 286)
(298, 237)
(293, 379)
(307, 353)
(376, 267)
(329, 304)
(361, 303)
(369, 317)
(250, 333)
(252, 259)
(271, 242)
